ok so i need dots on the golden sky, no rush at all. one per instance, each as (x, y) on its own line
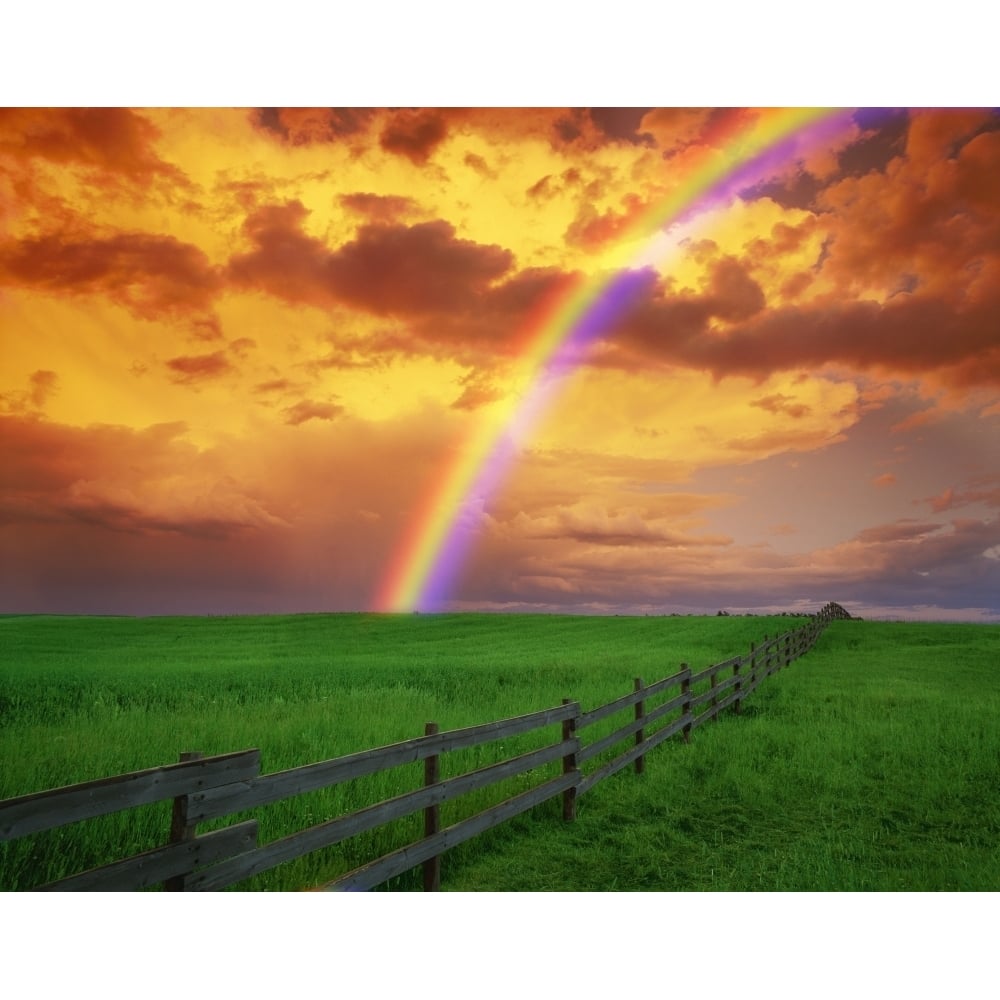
(239, 347)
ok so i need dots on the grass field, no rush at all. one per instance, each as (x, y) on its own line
(872, 763)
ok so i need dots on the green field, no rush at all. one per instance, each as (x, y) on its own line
(871, 763)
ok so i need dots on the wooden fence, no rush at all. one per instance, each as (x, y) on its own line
(203, 789)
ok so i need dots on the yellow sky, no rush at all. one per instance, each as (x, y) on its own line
(360, 284)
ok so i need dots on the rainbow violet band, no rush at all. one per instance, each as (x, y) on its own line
(750, 148)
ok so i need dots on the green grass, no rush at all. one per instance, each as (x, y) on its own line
(869, 764)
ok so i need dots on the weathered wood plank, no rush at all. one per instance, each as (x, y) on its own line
(701, 699)
(714, 711)
(668, 682)
(727, 682)
(605, 742)
(402, 860)
(626, 700)
(72, 803)
(310, 777)
(333, 831)
(606, 770)
(715, 668)
(654, 715)
(152, 867)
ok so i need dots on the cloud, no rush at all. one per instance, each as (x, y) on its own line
(475, 162)
(594, 525)
(151, 276)
(885, 480)
(905, 336)
(118, 479)
(672, 326)
(386, 270)
(198, 367)
(622, 124)
(904, 530)
(591, 230)
(379, 207)
(952, 498)
(477, 390)
(675, 129)
(308, 409)
(778, 402)
(414, 134)
(306, 126)
(42, 384)
(274, 385)
(419, 269)
(117, 142)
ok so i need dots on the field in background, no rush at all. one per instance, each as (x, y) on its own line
(871, 763)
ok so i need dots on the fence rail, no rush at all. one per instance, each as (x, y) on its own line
(207, 788)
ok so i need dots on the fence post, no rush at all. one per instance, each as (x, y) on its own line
(432, 815)
(686, 704)
(715, 697)
(738, 686)
(640, 711)
(569, 765)
(180, 829)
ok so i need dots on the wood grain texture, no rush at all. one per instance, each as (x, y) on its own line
(340, 828)
(402, 860)
(72, 803)
(311, 777)
(152, 867)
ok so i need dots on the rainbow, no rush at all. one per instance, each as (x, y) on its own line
(745, 149)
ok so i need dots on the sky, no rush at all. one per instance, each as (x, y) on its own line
(241, 347)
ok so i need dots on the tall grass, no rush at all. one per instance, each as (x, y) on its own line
(871, 764)
(823, 782)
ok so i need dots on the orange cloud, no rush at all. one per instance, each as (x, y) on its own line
(116, 141)
(304, 126)
(308, 409)
(198, 367)
(780, 403)
(363, 281)
(151, 276)
(379, 207)
(387, 269)
(414, 134)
